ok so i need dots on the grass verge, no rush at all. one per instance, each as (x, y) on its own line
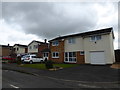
(42, 66)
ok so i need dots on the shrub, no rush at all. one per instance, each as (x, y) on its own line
(49, 64)
(19, 60)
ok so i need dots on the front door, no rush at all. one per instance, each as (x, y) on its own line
(45, 55)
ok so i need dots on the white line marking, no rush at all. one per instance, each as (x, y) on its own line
(76, 80)
(88, 86)
(13, 86)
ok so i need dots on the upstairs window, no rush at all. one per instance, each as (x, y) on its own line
(55, 43)
(14, 49)
(30, 47)
(71, 40)
(35, 46)
(17, 49)
(95, 38)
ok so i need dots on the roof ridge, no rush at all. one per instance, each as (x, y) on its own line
(105, 30)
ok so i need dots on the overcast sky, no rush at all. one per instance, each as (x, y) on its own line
(23, 22)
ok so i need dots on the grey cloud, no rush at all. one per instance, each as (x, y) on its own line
(48, 20)
(119, 25)
(0, 10)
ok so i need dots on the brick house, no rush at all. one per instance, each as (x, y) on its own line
(93, 47)
(5, 50)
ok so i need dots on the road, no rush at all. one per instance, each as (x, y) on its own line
(13, 79)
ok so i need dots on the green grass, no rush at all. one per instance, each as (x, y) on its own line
(42, 66)
(66, 65)
(38, 66)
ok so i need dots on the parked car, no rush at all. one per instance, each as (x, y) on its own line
(23, 58)
(7, 58)
(32, 58)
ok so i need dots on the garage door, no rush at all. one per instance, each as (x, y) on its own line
(97, 57)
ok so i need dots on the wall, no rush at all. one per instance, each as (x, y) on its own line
(117, 55)
(105, 44)
(77, 46)
(5, 51)
(33, 50)
(41, 47)
(21, 50)
(60, 49)
(80, 58)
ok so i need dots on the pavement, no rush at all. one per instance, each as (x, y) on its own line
(83, 73)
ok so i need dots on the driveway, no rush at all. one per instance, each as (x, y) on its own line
(82, 73)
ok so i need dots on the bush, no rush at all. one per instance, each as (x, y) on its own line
(49, 64)
(19, 60)
(12, 61)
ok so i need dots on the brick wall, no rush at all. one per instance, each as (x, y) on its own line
(40, 48)
(26, 50)
(60, 49)
(5, 51)
(80, 58)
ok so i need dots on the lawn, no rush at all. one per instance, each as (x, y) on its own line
(42, 66)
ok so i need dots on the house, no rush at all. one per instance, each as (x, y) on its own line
(5, 50)
(46, 53)
(93, 47)
(20, 49)
(36, 47)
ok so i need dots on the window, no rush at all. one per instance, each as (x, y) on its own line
(35, 46)
(45, 54)
(71, 40)
(81, 52)
(30, 47)
(33, 56)
(55, 43)
(14, 49)
(97, 37)
(17, 49)
(70, 56)
(55, 55)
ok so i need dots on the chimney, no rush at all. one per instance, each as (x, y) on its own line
(8, 44)
(45, 40)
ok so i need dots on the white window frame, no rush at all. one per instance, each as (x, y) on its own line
(82, 53)
(68, 57)
(95, 37)
(54, 43)
(45, 54)
(55, 55)
(71, 40)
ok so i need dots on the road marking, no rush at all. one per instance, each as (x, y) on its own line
(88, 86)
(13, 86)
(114, 82)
